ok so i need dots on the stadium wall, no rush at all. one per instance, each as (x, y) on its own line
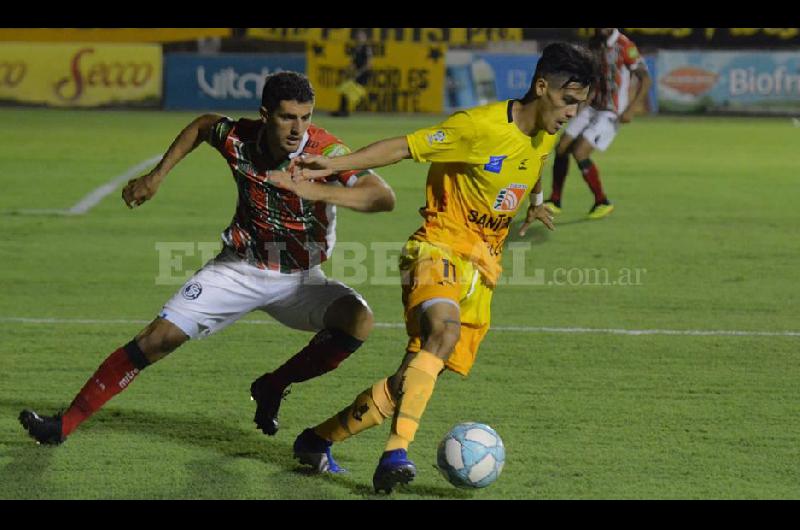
(411, 76)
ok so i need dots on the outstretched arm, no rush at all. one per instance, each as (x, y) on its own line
(141, 189)
(369, 194)
(378, 154)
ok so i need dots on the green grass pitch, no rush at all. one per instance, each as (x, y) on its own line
(706, 213)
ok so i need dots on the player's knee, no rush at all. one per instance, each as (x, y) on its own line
(441, 337)
(582, 151)
(362, 318)
(159, 339)
(564, 147)
(351, 315)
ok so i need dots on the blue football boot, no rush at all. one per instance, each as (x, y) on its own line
(312, 450)
(394, 468)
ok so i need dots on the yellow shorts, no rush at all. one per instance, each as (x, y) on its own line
(428, 272)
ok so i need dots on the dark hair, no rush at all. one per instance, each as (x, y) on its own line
(282, 86)
(574, 63)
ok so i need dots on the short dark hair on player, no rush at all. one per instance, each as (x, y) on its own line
(571, 62)
(283, 86)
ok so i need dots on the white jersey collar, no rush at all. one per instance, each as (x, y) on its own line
(299, 150)
(300, 147)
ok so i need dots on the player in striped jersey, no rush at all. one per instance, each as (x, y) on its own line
(596, 125)
(272, 250)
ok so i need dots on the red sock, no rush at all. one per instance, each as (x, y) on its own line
(111, 378)
(325, 352)
(560, 168)
(592, 178)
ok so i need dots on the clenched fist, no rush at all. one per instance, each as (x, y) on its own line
(139, 190)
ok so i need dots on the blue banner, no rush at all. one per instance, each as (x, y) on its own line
(760, 82)
(479, 78)
(460, 92)
(486, 77)
(222, 82)
(511, 73)
(652, 95)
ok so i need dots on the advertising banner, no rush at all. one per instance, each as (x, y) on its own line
(510, 73)
(81, 74)
(757, 82)
(486, 77)
(449, 36)
(741, 38)
(110, 34)
(678, 38)
(219, 82)
(406, 77)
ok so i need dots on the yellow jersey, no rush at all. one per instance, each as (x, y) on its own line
(482, 169)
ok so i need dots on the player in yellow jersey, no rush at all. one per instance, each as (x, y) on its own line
(485, 162)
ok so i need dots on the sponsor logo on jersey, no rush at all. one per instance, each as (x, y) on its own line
(192, 291)
(500, 222)
(495, 163)
(437, 138)
(509, 197)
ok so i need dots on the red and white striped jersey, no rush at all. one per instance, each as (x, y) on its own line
(273, 228)
(618, 58)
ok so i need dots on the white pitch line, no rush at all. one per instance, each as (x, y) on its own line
(98, 194)
(91, 200)
(522, 329)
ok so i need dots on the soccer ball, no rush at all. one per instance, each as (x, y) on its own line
(471, 455)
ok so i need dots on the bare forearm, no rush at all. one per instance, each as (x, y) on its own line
(379, 154)
(188, 139)
(377, 197)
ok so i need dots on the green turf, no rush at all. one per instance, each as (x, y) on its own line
(706, 212)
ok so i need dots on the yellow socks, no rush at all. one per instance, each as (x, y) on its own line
(418, 383)
(375, 404)
(369, 409)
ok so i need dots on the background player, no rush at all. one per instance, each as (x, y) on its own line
(596, 125)
(359, 71)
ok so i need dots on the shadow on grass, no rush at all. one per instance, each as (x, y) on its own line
(403, 492)
(30, 461)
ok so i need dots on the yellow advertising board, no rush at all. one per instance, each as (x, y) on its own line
(406, 77)
(449, 36)
(110, 34)
(81, 74)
